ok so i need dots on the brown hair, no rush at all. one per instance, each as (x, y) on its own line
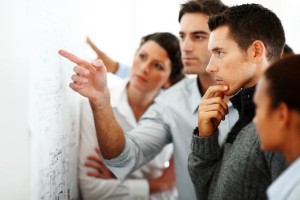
(208, 7)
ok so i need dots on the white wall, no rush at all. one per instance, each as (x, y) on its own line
(14, 149)
(117, 26)
(23, 44)
(288, 13)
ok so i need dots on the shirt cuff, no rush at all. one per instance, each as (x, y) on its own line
(206, 147)
(138, 189)
(122, 71)
(122, 165)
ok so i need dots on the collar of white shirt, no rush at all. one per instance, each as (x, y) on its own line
(285, 183)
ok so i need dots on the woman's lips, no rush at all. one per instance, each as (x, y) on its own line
(140, 78)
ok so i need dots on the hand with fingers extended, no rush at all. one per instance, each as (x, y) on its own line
(90, 78)
(212, 109)
(100, 170)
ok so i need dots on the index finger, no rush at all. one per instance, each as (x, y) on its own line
(97, 150)
(74, 58)
(214, 91)
(94, 158)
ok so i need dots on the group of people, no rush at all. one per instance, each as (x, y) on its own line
(227, 133)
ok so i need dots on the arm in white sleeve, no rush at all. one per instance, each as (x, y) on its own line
(122, 71)
(96, 188)
(143, 143)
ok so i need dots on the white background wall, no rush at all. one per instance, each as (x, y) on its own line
(288, 13)
(117, 26)
(14, 147)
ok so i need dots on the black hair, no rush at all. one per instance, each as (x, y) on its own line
(284, 82)
(287, 50)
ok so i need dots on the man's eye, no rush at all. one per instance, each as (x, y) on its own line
(220, 53)
(199, 37)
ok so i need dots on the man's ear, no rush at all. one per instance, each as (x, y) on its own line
(258, 50)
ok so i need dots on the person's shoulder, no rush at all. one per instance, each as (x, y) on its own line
(295, 193)
(250, 127)
(179, 90)
(270, 156)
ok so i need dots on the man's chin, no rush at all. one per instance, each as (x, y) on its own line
(232, 92)
(191, 69)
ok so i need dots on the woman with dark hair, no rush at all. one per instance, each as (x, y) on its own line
(277, 119)
(157, 65)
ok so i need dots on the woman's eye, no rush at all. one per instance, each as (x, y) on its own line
(142, 56)
(158, 66)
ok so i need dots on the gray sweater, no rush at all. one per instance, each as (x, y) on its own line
(238, 170)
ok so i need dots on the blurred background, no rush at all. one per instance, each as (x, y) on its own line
(117, 26)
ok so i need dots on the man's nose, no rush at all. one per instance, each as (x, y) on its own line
(187, 45)
(211, 67)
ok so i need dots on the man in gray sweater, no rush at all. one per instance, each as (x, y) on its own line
(244, 41)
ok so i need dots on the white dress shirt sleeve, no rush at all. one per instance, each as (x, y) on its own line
(122, 71)
(96, 188)
(142, 144)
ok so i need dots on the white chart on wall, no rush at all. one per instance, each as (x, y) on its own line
(54, 108)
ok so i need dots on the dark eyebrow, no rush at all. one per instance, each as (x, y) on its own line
(154, 59)
(217, 49)
(196, 32)
(200, 32)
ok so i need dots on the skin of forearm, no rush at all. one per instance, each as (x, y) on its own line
(110, 135)
(165, 182)
(155, 186)
(158, 185)
(111, 65)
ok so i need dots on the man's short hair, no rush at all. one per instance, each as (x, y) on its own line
(250, 22)
(208, 7)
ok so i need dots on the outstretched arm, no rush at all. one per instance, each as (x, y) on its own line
(111, 65)
(90, 80)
